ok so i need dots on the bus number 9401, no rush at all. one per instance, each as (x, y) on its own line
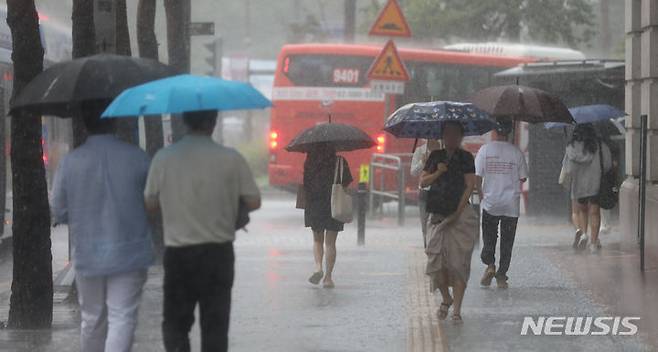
(346, 75)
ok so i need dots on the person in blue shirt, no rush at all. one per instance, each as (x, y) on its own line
(98, 191)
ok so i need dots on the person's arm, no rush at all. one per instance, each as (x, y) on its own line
(480, 168)
(152, 189)
(427, 177)
(478, 187)
(59, 203)
(469, 183)
(523, 168)
(347, 174)
(249, 192)
(418, 161)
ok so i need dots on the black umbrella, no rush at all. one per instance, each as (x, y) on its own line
(522, 103)
(61, 88)
(342, 137)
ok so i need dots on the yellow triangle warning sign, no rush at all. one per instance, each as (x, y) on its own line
(388, 66)
(391, 22)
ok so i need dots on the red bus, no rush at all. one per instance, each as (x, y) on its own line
(316, 82)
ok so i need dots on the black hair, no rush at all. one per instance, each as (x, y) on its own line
(91, 112)
(453, 123)
(586, 133)
(203, 120)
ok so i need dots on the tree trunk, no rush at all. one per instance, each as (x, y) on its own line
(148, 48)
(126, 128)
(178, 46)
(84, 44)
(31, 305)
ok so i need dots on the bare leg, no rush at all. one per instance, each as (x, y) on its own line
(581, 215)
(330, 248)
(594, 221)
(575, 215)
(458, 290)
(318, 249)
(443, 287)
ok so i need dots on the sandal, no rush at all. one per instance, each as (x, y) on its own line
(457, 319)
(442, 313)
(316, 277)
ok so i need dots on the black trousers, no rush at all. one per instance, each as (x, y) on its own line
(490, 236)
(200, 274)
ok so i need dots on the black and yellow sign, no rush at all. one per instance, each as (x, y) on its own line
(388, 66)
(364, 173)
(391, 22)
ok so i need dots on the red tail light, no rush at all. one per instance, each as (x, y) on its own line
(381, 143)
(274, 140)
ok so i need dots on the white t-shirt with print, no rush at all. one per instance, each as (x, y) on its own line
(502, 166)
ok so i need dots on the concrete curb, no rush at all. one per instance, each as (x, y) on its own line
(425, 333)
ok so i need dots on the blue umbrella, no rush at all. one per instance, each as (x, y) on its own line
(589, 114)
(425, 120)
(184, 93)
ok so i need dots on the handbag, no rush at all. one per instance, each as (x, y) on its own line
(300, 203)
(341, 202)
(608, 190)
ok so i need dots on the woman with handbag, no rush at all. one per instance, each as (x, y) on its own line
(322, 170)
(452, 228)
(586, 160)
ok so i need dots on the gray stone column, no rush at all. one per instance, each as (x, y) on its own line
(641, 98)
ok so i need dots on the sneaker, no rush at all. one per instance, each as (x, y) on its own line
(576, 239)
(489, 274)
(501, 282)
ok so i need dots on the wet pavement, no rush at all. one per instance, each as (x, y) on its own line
(381, 302)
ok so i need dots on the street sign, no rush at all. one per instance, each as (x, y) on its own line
(387, 87)
(364, 173)
(391, 22)
(388, 66)
(202, 28)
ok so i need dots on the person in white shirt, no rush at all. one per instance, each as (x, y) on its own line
(501, 169)
(418, 161)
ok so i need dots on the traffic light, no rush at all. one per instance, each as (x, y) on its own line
(214, 59)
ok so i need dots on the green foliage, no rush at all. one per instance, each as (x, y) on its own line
(550, 21)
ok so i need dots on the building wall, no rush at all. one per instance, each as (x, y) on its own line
(641, 98)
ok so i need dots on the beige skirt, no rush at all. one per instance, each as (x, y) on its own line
(450, 247)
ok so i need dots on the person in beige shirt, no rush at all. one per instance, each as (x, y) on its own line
(198, 185)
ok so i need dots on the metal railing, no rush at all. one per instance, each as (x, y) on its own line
(388, 164)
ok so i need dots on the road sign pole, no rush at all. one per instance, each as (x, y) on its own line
(361, 194)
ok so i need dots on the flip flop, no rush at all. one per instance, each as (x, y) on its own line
(328, 285)
(442, 313)
(457, 319)
(316, 277)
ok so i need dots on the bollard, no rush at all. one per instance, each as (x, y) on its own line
(361, 194)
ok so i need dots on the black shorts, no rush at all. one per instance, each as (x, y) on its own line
(589, 200)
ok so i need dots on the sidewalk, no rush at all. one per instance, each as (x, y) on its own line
(382, 301)
(547, 279)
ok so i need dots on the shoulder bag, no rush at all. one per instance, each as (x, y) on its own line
(341, 201)
(608, 191)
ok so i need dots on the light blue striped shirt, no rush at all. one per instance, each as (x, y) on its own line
(98, 190)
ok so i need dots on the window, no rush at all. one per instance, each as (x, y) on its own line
(432, 81)
(327, 70)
